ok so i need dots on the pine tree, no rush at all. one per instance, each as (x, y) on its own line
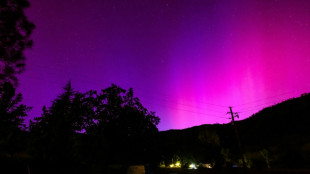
(12, 115)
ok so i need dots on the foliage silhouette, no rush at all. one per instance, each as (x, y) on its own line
(15, 31)
(121, 119)
(12, 115)
(56, 129)
(110, 127)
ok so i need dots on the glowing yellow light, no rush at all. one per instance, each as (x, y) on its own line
(192, 166)
(177, 164)
(171, 165)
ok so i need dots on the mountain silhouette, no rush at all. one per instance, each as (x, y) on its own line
(276, 137)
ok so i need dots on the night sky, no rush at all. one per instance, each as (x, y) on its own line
(187, 60)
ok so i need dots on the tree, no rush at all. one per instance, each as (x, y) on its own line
(129, 127)
(12, 115)
(111, 126)
(117, 107)
(15, 31)
(56, 130)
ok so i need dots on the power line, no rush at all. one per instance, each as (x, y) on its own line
(269, 103)
(180, 109)
(191, 106)
(282, 94)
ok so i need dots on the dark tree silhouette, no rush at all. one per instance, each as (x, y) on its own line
(114, 104)
(95, 128)
(128, 126)
(56, 129)
(12, 115)
(15, 31)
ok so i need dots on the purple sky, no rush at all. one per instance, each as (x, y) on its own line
(187, 60)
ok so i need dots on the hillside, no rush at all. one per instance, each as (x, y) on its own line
(276, 137)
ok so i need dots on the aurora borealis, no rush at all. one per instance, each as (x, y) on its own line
(187, 60)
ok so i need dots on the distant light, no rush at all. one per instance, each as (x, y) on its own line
(162, 165)
(176, 165)
(206, 166)
(192, 166)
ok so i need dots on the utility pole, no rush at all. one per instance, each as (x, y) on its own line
(233, 115)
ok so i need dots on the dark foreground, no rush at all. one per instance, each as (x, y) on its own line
(231, 171)
(13, 166)
(23, 169)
